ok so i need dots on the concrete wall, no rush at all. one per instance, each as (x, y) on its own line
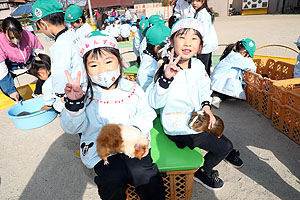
(219, 6)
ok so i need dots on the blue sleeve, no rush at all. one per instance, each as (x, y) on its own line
(7, 84)
(74, 122)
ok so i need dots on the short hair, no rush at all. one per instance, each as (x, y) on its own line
(12, 25)
(55, 18)
(83, 19)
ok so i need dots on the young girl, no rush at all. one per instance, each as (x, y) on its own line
(178, 90)
(156, 37)
(76, 17)
(183, 9)
(226, 79)
(110, 99)
(210, 40)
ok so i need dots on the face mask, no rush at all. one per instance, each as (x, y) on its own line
(52, 35)
(106, 79)
(15, 41)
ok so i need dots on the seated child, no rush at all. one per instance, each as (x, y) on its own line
(110, 99)
(156, 36)
(125, 31)
(181, 87)
(226, 79)
(41, 68)
(297, 66)
(115, 29)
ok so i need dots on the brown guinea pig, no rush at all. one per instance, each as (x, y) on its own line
(117, 138)
(200, 120)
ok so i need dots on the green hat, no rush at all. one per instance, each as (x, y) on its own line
(158, 34)
(144, 25)
(249, 46)
(156, 19)
(43, 8)
(73, 13)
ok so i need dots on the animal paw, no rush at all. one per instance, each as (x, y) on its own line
(106, 162)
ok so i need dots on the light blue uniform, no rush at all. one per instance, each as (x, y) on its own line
(146, 71)
(227, 75)
(127, 104)
(297, 67)
(115, 30)
(83, 30)
(137, 40)
(143, 46)
(210, 40)
(65, 55)
(125, 30)
(49, 97)
(185, 94)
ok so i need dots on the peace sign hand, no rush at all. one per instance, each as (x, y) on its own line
(171, 69)
(73, 89)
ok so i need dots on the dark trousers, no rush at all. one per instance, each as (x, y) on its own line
(206, 60)
(220, 95)
(38, 86)
(112, 179)
(217, 148)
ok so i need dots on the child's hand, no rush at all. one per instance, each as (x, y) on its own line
(73, 89)
(45, 108)
(212, 119)
(171, 69)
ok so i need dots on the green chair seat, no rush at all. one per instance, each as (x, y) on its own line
(125, 44)
(168, 156)
(133, 68)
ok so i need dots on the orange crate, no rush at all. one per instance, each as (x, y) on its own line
(178, 185)
(287, 120)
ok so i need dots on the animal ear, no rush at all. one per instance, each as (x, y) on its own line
(138, 147)
(91, 144)
(194, 114)
(82, 145)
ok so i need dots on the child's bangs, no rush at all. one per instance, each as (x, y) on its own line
(185, 30)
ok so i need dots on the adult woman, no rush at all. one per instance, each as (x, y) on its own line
(17, 49)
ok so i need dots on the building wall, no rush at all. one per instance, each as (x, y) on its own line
(219, 6)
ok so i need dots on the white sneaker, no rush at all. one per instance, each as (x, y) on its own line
(216, 101)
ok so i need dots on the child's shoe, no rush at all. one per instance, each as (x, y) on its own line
(209, 180)
(77, 154)
(233, 158)
(216, 101)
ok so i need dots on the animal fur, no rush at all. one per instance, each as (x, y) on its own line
(117, 138)
(200, 120)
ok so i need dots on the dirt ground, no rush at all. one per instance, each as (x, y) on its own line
(39, 164)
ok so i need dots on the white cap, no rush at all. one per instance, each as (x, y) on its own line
(188, 23)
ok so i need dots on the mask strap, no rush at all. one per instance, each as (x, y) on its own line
(48, 29)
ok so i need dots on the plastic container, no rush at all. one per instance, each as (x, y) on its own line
(30, 121)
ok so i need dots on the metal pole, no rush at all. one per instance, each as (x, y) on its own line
(90, 10)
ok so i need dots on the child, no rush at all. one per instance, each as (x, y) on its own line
(76, 17)
(64, 52)
(297, 66)
(156, 36)
(144, 25)
(115, 29)
(178, 90)
(183, 9)
(125, 31)
(110, 99)
(226, 79)
(204, 15)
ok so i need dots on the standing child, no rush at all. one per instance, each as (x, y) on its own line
(110, 99)
(115, 29)
(76, 17)
(125, 30)
(178, 91)
(226, 79)
(297, 66)
(156, 37)
(183, 9)
(210, 39)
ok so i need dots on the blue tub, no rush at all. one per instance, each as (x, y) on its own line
(34, 120)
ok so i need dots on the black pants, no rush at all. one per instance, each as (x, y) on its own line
(206, 60)
(112, 179)
(217, 148)
(220, 95)
(38, 86)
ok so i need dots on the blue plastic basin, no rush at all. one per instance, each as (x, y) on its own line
(31, 121)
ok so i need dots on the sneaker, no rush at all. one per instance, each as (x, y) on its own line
(216, 101)
(77, 154)
(233, 158)
(210, 180)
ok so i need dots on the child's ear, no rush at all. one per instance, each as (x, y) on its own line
(157, 48)
(200, 49)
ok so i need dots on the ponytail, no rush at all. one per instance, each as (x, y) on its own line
(237, 47)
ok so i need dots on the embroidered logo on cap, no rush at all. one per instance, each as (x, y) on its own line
(38, 12)
(251, 44)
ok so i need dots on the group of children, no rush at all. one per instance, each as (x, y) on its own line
(119, 28)
(85, 85)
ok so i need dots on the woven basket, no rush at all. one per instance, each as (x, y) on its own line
(131, 77)
(178, 185)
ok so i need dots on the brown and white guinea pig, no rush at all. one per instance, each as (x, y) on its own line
(200, 120)
(117, 138)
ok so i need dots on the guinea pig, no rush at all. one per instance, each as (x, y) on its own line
(200, 120)
(117, 138)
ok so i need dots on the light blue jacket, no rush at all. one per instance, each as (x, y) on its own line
(185, 94)
(227, 75)
(297, 67)
(127, 104)
(83, 30)
(146, 71)
(137, 40)
(210, 40)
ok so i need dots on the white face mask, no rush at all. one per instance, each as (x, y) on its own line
(15, 41)
(106, 79)
(52, 35)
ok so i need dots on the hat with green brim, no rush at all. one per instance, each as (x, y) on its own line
(73, 13)
(43, 8)
(144, 25)
(156, 19)
(249, 46)
(158, 34)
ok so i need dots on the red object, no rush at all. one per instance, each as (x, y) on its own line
(109, 3)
